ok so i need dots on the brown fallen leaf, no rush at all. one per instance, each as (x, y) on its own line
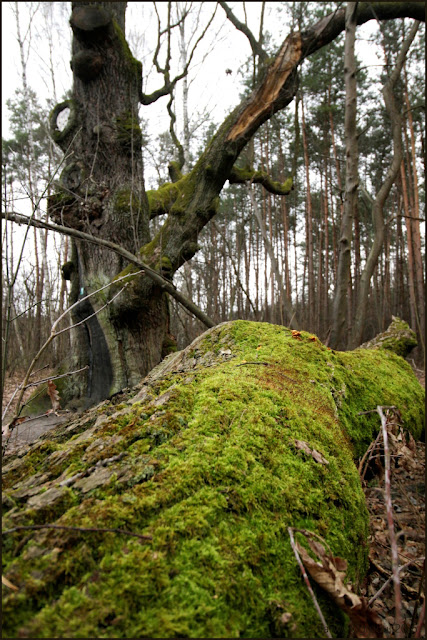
(329, 574)
(53, 395)
(7, 583)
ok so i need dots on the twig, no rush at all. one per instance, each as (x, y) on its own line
(390, 577)
(418, 599)
(35, 384)
(94, 529)
(393, 543)
(307, 582)
(156, 276)
(421, 621)
(369, 451)
(53, 334)
(363, 413)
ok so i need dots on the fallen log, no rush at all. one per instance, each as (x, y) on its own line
(164, 512)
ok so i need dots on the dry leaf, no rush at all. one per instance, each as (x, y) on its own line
(329, 575)
(411, 443)
(8, 583)
(300, 444)
(53, 395)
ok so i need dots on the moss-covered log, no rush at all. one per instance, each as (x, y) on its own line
(203, 457)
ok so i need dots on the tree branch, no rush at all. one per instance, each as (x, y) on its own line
(193, 200)
(154, 275)
(256, 47)
(240, 176)
(169, 85)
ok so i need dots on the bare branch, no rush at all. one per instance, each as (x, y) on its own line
(53, 334)
(256, 47)
(36, 384)
(166, 285)
(170, 84)
(307, 582)
(178, 145)
(392, 535)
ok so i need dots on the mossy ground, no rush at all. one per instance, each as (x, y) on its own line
(210, 470)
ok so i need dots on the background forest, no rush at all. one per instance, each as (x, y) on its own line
(263, 257)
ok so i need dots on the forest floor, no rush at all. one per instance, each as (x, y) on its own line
(408, 512)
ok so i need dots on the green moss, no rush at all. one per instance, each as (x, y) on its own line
(161, 200)
(129, 133)
(130, 271)
(246, 174)
(211, 471)
(398, 338)
(126, 199)
(134, 64)
(57, 135)
(175, 172)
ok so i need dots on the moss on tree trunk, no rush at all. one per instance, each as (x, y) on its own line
(202, 456)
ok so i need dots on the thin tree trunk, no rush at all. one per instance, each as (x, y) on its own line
(411, 265)
(340, 308)
(309, 225)
(378, 204)
(416, 236)
(341, 193)
(274, 266)
(325, 311)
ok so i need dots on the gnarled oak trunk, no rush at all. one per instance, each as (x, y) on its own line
(101, 192)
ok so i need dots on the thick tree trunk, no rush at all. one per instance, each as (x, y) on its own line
(176, 504)
(102, 193)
